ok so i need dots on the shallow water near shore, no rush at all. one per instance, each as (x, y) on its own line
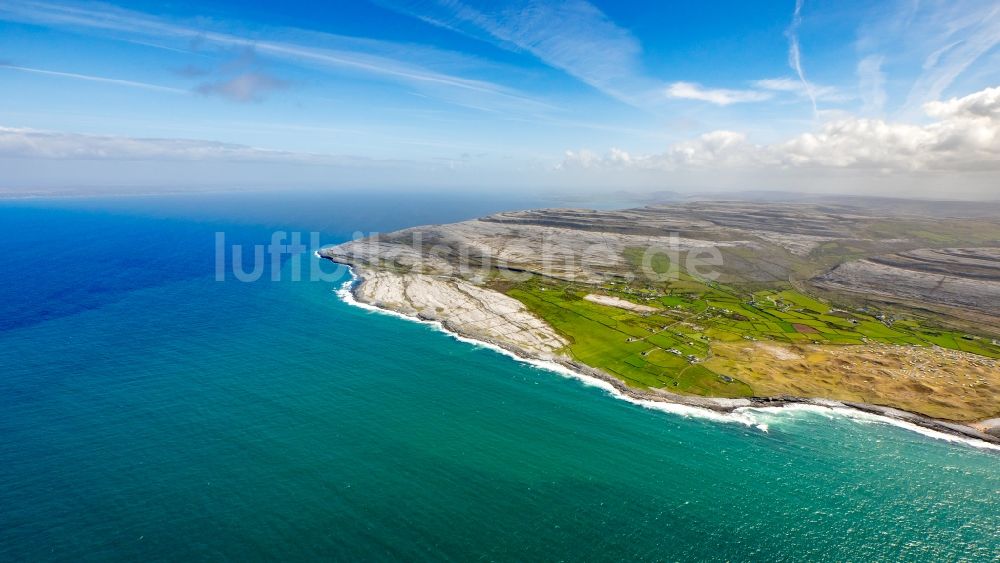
(151, 412)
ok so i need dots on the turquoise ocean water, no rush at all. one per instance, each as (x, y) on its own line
(149, 412)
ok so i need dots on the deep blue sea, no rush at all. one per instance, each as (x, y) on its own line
(149, 412)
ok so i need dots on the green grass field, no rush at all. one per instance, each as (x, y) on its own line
(666, 349)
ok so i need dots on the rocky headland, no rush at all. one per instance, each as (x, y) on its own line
(476, 277)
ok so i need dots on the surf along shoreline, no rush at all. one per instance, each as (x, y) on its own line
(712, 408)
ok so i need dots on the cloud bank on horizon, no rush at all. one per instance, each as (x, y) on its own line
(902, 97)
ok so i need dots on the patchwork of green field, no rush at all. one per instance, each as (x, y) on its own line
(666, 349)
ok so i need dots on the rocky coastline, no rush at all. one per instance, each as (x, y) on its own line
(488, 317)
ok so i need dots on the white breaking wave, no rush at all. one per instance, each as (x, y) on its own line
(863, 417)
(747, 416)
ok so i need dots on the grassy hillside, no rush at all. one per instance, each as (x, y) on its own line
(684, 346)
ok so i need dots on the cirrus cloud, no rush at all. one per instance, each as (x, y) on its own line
(718, 96)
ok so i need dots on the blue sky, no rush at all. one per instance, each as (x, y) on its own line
(809, 95)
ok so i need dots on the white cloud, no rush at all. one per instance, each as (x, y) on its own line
(981, 104)
(796, 87)
(714, 149)
(245, 87)
(781, 84)
(718, 96)
(726, 148)
(965, 137)
(762, 90)
(33, 143)
(586, 159)
(871, 84)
